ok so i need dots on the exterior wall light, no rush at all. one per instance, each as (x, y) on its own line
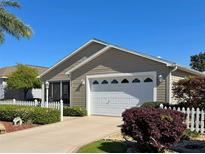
(160, 78)
(83, 82)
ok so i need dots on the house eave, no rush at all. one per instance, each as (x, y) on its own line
(72, 54)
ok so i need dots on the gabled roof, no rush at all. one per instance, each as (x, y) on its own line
(5, 71)
(106, 48)
(163, 61)
(72, 54)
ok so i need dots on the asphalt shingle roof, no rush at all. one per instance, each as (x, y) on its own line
(5, 71)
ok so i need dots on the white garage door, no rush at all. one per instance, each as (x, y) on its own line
(112, 95)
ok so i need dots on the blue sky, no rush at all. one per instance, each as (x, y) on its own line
(172, 29)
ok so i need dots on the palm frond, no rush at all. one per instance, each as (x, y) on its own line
(9, 3)
(1, 37)
(10, 24)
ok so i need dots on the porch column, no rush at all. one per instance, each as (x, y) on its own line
(61, 90)
(43, 92)
(47, 86)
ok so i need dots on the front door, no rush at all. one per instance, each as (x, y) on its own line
(66, 93)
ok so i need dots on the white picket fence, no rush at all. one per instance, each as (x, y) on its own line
(194, 118)
(53, 105)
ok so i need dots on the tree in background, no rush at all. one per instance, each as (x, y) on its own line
(198, 62)
(190, 91)
(11, 24)
(24, 78)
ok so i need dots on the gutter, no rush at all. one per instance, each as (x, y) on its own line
(175, 67)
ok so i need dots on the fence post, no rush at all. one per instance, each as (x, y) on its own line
(188, 118)
(61, 110)
(202, 121)
(192, 119)
(197, 119)
(14, 101)
(35, 102)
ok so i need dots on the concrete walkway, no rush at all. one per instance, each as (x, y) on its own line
(61, 137)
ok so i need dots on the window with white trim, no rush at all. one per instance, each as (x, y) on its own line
(114, 81)
(148, 80)
(136, 80)
(95, 82)
(104, 82)
(124, 81)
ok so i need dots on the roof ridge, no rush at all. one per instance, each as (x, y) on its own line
(24, 64)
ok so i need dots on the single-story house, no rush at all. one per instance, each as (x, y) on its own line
(6, 93)
(106, 79)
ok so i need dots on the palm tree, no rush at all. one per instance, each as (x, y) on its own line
(11, 24)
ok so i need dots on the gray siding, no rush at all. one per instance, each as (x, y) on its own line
(114, 61)
(59, 72)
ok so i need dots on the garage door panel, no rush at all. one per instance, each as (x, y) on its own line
(113, 99)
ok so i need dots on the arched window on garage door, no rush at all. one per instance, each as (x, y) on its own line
(95, 82)
(104, 82)
(124, 81)
(148, 80)
(114, 81)
(136, 80)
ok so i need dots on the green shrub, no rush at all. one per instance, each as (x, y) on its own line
(74, 111)
(36, 115)
(152, 104)
(188, 134)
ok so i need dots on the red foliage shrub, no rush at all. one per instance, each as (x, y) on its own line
(190, 91)
(154, 129)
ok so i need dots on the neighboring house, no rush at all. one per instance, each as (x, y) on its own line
(107, 79)
(17, 94)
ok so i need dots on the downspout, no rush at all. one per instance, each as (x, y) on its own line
(175, 67)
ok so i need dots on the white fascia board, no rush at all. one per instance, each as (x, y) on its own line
(69, 56)
(89, 59)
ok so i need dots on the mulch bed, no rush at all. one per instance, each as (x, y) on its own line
(180, 147)
(11, 128)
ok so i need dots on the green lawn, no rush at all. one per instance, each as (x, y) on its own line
(103, 146)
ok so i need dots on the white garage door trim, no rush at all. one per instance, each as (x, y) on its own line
(88, 86)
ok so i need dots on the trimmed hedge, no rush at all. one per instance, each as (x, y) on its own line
(154, 129)
(152, 104)
(36, 115)
(74, 111)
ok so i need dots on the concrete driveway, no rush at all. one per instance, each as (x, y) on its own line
(60, 137)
